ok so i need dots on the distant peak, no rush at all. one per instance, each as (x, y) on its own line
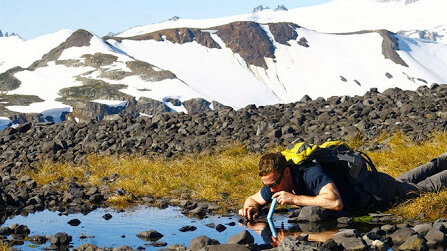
(8, 34)
(259, 8)
(262, 8)
(281, 7)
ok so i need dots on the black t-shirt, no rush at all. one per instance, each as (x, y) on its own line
(310, 181)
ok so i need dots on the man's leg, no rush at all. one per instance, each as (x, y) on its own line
(424, 171)
(389, 190)
(434, 183)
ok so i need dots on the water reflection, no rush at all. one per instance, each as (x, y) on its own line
(318, 232)
(122, 227)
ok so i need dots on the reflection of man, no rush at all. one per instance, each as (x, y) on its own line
(330, 189)
(264, 231)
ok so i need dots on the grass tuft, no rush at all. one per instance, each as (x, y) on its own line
(230, 175)
(120, 201)
(227, 177)
(404, 155)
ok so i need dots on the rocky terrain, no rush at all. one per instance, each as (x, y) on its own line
(415, 113)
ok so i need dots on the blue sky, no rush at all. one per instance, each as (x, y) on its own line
(32, 18)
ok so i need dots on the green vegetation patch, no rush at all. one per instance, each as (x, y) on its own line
(98, 60)
(17, 99)
(362, 219)
(91, 90)
(70, 62)
(8, 82)
(114, 74)
(146, 71)
(10, 100)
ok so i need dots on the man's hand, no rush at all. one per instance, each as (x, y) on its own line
(252, 205)
(250, 212)
(285, 198)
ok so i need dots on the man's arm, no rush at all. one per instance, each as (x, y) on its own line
(252, 205)
(328, 198)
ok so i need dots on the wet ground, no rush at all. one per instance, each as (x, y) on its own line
(122, 227)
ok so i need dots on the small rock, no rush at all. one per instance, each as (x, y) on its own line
(60, 239)
(37, 239)
(150, 235)
(174, 247)
(220, 228)
(378, 244)
(303, 237)
(231, 224)
(401, 235)
(389, 229)
(329, 244)
(344, 220)
(435, 238)
(210, 225)
(243, 237)
(122, 248)
(423, 228)
(200, 242)
(187, 229)
(414, 242)
(157, 244)
(354, 244)
(226, 247)
(107, 216)
(74, 222)
(312, 214)
(288, 243)
(22, 230)
(83, 236)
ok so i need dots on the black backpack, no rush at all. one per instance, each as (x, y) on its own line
(336, 154)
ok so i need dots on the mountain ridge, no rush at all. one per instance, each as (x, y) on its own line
(81, 76)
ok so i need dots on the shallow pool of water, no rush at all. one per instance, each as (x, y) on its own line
(122, 228)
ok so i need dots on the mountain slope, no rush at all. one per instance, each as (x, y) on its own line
(312, 63)
(186, 65)
(83, 70)
(15, 51)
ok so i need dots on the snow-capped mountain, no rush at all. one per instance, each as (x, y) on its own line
(438, 34)
(333, 17)
(263, 58)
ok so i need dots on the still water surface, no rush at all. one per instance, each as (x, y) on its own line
(122, 228)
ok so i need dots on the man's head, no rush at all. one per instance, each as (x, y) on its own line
(272, 162)
(274, 172)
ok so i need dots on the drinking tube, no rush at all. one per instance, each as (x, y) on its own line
(272, 208)
(272, 227)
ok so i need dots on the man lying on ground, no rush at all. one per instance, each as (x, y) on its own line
(329, 188)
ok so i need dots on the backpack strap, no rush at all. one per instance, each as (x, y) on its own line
(368, 161)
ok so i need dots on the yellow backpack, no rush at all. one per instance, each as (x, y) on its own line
(331, 154)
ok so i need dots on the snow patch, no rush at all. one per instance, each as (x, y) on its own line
(111, 103)
(17, 52)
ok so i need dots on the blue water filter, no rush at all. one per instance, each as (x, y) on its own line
(272, 227)
(272, 208)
